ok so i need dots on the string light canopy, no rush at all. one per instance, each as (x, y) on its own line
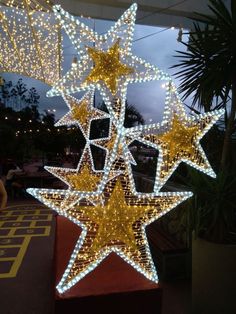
(113, 215)
(44, 5)
(30, 40)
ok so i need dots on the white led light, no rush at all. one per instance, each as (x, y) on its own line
(86, 185)
(30, 40)
(202, 122)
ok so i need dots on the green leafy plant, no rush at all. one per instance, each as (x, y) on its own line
(207, 69)
(212, 209)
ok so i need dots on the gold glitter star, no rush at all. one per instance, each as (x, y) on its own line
(114, 221)
(181, 143)
(116, 226)
(85, 180)
(108, 67)
(179, 140)
(81, 112)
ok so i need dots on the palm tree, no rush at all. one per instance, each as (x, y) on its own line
(33, 96)
(207, 69)
(21, 89)
(132, 115)
(5, 92)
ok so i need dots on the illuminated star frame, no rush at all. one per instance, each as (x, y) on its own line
(70, 202)
(152, 133)
(153, 208)
(83, 37)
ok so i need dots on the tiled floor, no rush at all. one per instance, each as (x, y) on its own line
(27, 240)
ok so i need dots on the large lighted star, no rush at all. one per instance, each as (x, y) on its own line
(84, 182)
(117, 226)
(105, 61)
(81, 113)
(178, 138)
(181, 142)
(108, 67)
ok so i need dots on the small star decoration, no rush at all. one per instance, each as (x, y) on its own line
(108, 67)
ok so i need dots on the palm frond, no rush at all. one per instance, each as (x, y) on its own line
(206, 69)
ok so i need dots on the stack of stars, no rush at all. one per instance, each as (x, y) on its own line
(112, 214)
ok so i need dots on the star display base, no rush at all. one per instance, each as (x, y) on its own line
(114, 286)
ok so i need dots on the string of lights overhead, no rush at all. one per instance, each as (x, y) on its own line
(30, 40)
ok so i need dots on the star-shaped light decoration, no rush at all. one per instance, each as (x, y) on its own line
(178, 137)
(179, 140)
(106, 61)
(81, 112)
(107, 67)
(84, 178)
(114, 215)
(84, 182)
(116, 226)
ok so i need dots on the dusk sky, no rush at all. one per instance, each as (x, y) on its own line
(147, 97)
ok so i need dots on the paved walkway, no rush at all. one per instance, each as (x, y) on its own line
(27, 235)
(27, 283)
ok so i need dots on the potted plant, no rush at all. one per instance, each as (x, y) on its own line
(212, 218)
(207, 71)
